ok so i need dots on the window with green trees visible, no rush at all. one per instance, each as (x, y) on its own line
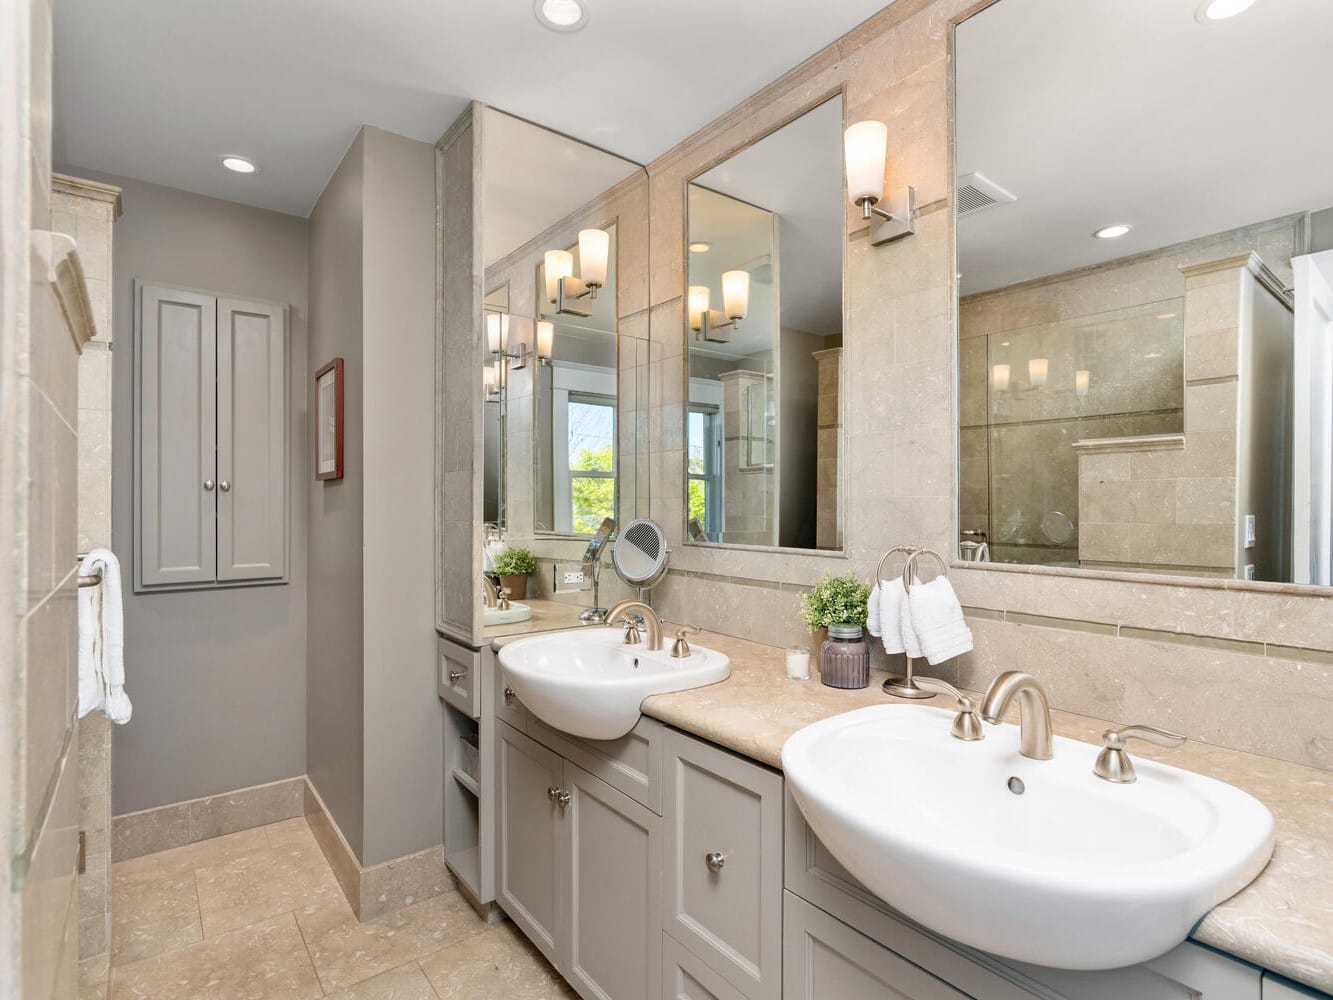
(592, 461)
(704, 493)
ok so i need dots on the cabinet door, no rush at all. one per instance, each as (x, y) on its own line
(722, 887)
(175, 417)
(685, 977)
(528, 868)
(613, 886)
(825, 958)
(252, 440)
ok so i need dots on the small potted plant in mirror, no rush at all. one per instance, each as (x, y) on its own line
(835, 612)
(512, 566)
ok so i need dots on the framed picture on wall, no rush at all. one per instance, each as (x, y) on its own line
(329, 421)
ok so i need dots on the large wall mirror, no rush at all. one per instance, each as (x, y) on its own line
(764, 330)
(565, 335)
(1145, 258)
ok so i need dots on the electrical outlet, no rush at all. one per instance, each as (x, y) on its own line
(573, 578)
(1251, 532)
(1249, 571)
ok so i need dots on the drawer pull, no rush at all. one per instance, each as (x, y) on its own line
(456, 675)
(715, 860)
(559, 796)
(510, 695)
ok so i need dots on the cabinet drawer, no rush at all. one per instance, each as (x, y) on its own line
(505, 702)
(685, 977)
(459, 676)
(722, 891)
(826, 958)
(631, 764)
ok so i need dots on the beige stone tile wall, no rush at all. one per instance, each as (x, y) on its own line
(828, 449)
(901, 483)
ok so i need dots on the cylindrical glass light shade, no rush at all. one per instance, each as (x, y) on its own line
(866, 145)
(545, 339)
(497, 332)
(488, 378)
(1037, 368)
(999, 378)
(594, 249)
(699, 304)
(1081, 381)
(559, 264)
(736, 293)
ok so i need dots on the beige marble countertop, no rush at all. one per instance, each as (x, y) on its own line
(547, 616)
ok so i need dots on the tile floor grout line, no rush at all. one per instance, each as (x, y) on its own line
(431, 986)
(310, 955)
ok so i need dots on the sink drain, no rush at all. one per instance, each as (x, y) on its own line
(1016, 786)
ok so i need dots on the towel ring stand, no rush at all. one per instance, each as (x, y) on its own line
(88, 579)
(906, 686)
(911, 550)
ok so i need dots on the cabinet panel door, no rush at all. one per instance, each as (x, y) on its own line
(252, 440)
(725, 909)
(824, 958)
(528, 867)
(175, 414)
(614, 891)
(686, 977)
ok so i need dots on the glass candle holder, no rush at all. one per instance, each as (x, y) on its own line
(844, 660)
(798, 663)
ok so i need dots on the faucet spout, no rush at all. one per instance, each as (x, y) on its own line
(651, 622)
(1034, 711)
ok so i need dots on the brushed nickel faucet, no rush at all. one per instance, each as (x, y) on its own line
(652, 624)
(1034, 711)
(966, 725)
(1113, 763)
(489, 596)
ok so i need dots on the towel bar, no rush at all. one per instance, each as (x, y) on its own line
(88, 579)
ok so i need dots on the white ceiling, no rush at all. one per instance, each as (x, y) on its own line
(159, 89)
(1109, 111)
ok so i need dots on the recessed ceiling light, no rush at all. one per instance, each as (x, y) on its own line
(239, 164)
(1219, 10)
(1111, 232)
(561, 15)
(700, 247)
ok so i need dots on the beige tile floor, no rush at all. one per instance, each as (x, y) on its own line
(258, 914)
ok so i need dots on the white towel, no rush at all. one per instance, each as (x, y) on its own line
(872, 611)
(102, 640)
(888, 614)
(909, 640)
(938, 620)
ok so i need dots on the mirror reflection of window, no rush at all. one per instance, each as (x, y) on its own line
(763, 329)
(590, 490)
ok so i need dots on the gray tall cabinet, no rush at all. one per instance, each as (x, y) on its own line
(210, 439)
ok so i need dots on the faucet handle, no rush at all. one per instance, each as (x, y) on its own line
(502, 602)
(1113, 763)
(680, 648)
(966, 725)
(632, 633)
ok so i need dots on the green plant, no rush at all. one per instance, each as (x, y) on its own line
(518, 561)
(835, 600)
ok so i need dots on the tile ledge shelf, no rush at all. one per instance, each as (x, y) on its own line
(1141, 442)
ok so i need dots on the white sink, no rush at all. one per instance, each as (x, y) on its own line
(589, 683)
(1075, 872)
(516, 612)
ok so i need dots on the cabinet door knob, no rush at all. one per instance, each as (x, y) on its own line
(456, 675)
(208, 486)
(715, 860)
(224, 486)
(510, 695)
(559, 796)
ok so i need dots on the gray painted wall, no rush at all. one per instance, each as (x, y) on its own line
(218, 678)
(334, 738)
(403, 714)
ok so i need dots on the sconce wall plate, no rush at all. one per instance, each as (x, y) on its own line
(901, 206)
(715, 328)
(569, 291)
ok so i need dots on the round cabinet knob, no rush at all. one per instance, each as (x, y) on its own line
(715, 860)
(510, 695)
(224, 486)
(455, 676)
(559, 796)
(208, 486)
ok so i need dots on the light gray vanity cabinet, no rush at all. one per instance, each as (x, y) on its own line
(686, 977)
(210, 439)
(579, 869)
(1277, 988)
(459, 677)
(631, 763)
(823, 958)
(723, 881)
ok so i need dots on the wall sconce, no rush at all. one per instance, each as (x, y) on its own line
(999, 378)
(709, 323)
(1081, 382)
(545, 341)
(490, 380)
(866, 147)
(1037, 369)
(497, 332)
(507, 345)
(563, 289)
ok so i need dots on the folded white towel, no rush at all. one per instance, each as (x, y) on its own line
(907, 634)
(872, 611)
(938, 620)
(892, 604)
(102, 640)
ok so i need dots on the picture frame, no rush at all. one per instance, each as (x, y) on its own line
(328, 421)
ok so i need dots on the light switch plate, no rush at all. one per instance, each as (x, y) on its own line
(1251, 532)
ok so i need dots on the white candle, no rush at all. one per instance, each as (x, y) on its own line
(798, 664)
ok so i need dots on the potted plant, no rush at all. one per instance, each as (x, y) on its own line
(513, 565)
(834, 600)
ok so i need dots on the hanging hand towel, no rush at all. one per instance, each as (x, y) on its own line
(892, 603)
(907, 630)
(872, 612)
(939, 622)
(102, 640)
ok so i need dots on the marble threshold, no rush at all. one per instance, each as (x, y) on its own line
(1282, 921)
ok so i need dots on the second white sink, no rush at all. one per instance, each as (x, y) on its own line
(1035, 860)
(589, 683)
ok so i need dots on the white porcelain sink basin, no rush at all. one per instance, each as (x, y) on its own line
(516, 612)
(589, 683)
(1075, 872)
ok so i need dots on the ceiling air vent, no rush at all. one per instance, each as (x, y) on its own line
(976, 193)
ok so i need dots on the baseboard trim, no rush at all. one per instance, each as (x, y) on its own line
(151, 830)
(383, 888)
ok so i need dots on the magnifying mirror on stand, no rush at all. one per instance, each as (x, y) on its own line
(640, 555)
(592, 565)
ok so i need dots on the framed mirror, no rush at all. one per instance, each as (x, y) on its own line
(1146, 325)
(763, 335)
